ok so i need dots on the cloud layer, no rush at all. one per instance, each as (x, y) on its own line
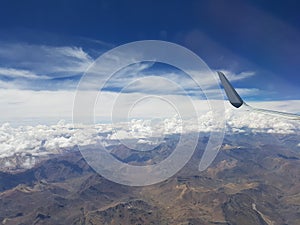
(42, 140)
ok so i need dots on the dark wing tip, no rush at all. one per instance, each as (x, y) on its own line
(231, 93)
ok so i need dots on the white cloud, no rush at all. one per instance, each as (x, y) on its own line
(25, 62)
(240, 76)
(41, 67)
(245, 121)
(7, 85)
(181, 79)
(20, 59)
(136, 79)
(22, 104)
(27, 104)
(31, 142)
(18, 73)
(42, 140)
(67, 59)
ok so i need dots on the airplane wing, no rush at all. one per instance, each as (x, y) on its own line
(237, 101)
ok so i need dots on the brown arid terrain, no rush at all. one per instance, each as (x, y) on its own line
(248, 184)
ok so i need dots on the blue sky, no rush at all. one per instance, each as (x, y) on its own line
(47, 45)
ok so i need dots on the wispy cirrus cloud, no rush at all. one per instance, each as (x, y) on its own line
(36, 66)
(149, 79)
(54, 61)
(39, 67)
(19, 73)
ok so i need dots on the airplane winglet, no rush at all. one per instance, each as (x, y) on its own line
(231, 93)
(237, 101)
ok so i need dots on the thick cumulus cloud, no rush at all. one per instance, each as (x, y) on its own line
(43, 140)
(259, 122)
